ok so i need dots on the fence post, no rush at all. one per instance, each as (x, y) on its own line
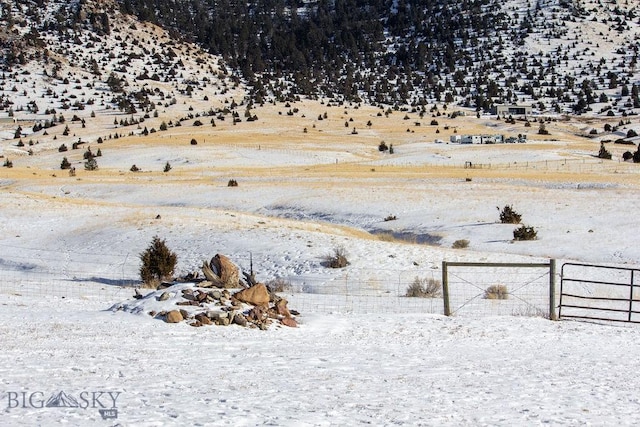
(552, 290)
(445, 289)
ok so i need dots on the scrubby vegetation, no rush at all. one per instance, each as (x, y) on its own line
(158, 263)
(604, 153)
(337, 259)
(460, 244)
(424, 288)
(525, 233)
(65, 164)
(509, 216)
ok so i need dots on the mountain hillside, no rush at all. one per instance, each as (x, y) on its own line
(560, 55)
(87, 57)
(90, 59)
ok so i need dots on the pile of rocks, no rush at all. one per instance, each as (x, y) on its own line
(221, 299)
(253, 307)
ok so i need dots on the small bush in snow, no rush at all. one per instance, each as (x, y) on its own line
(460, 244)
(525, 233)
(337, 259)
(158, 263)
(424, 288)
(509, 216)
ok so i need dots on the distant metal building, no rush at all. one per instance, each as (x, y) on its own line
(513, 110)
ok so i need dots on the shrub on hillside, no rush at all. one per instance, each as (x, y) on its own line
(508, 215)
(91, 164)
(542, 130)
(158, 263)
(603, 153)
(525, 233)
(460, 244)
(337, 259)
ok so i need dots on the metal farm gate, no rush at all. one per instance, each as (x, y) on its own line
(595, 292)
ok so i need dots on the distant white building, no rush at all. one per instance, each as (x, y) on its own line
(477, 139)
(471, 139)
(513, 110)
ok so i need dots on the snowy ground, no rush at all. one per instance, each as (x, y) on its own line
(75, 240)
(333, 370)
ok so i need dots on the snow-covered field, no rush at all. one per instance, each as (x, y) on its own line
(69, 243)
(402, 369)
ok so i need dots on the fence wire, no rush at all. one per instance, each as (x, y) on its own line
(499, 290)
(113, 278)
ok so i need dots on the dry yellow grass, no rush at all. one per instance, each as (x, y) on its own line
(275, 130)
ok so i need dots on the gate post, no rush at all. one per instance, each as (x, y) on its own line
(445, 289)
(552, 290)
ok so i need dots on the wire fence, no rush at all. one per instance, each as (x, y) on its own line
(356, 293)
(563, 165)
(113, 279)
(32, 272)
(500, 289)
(586, 164)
